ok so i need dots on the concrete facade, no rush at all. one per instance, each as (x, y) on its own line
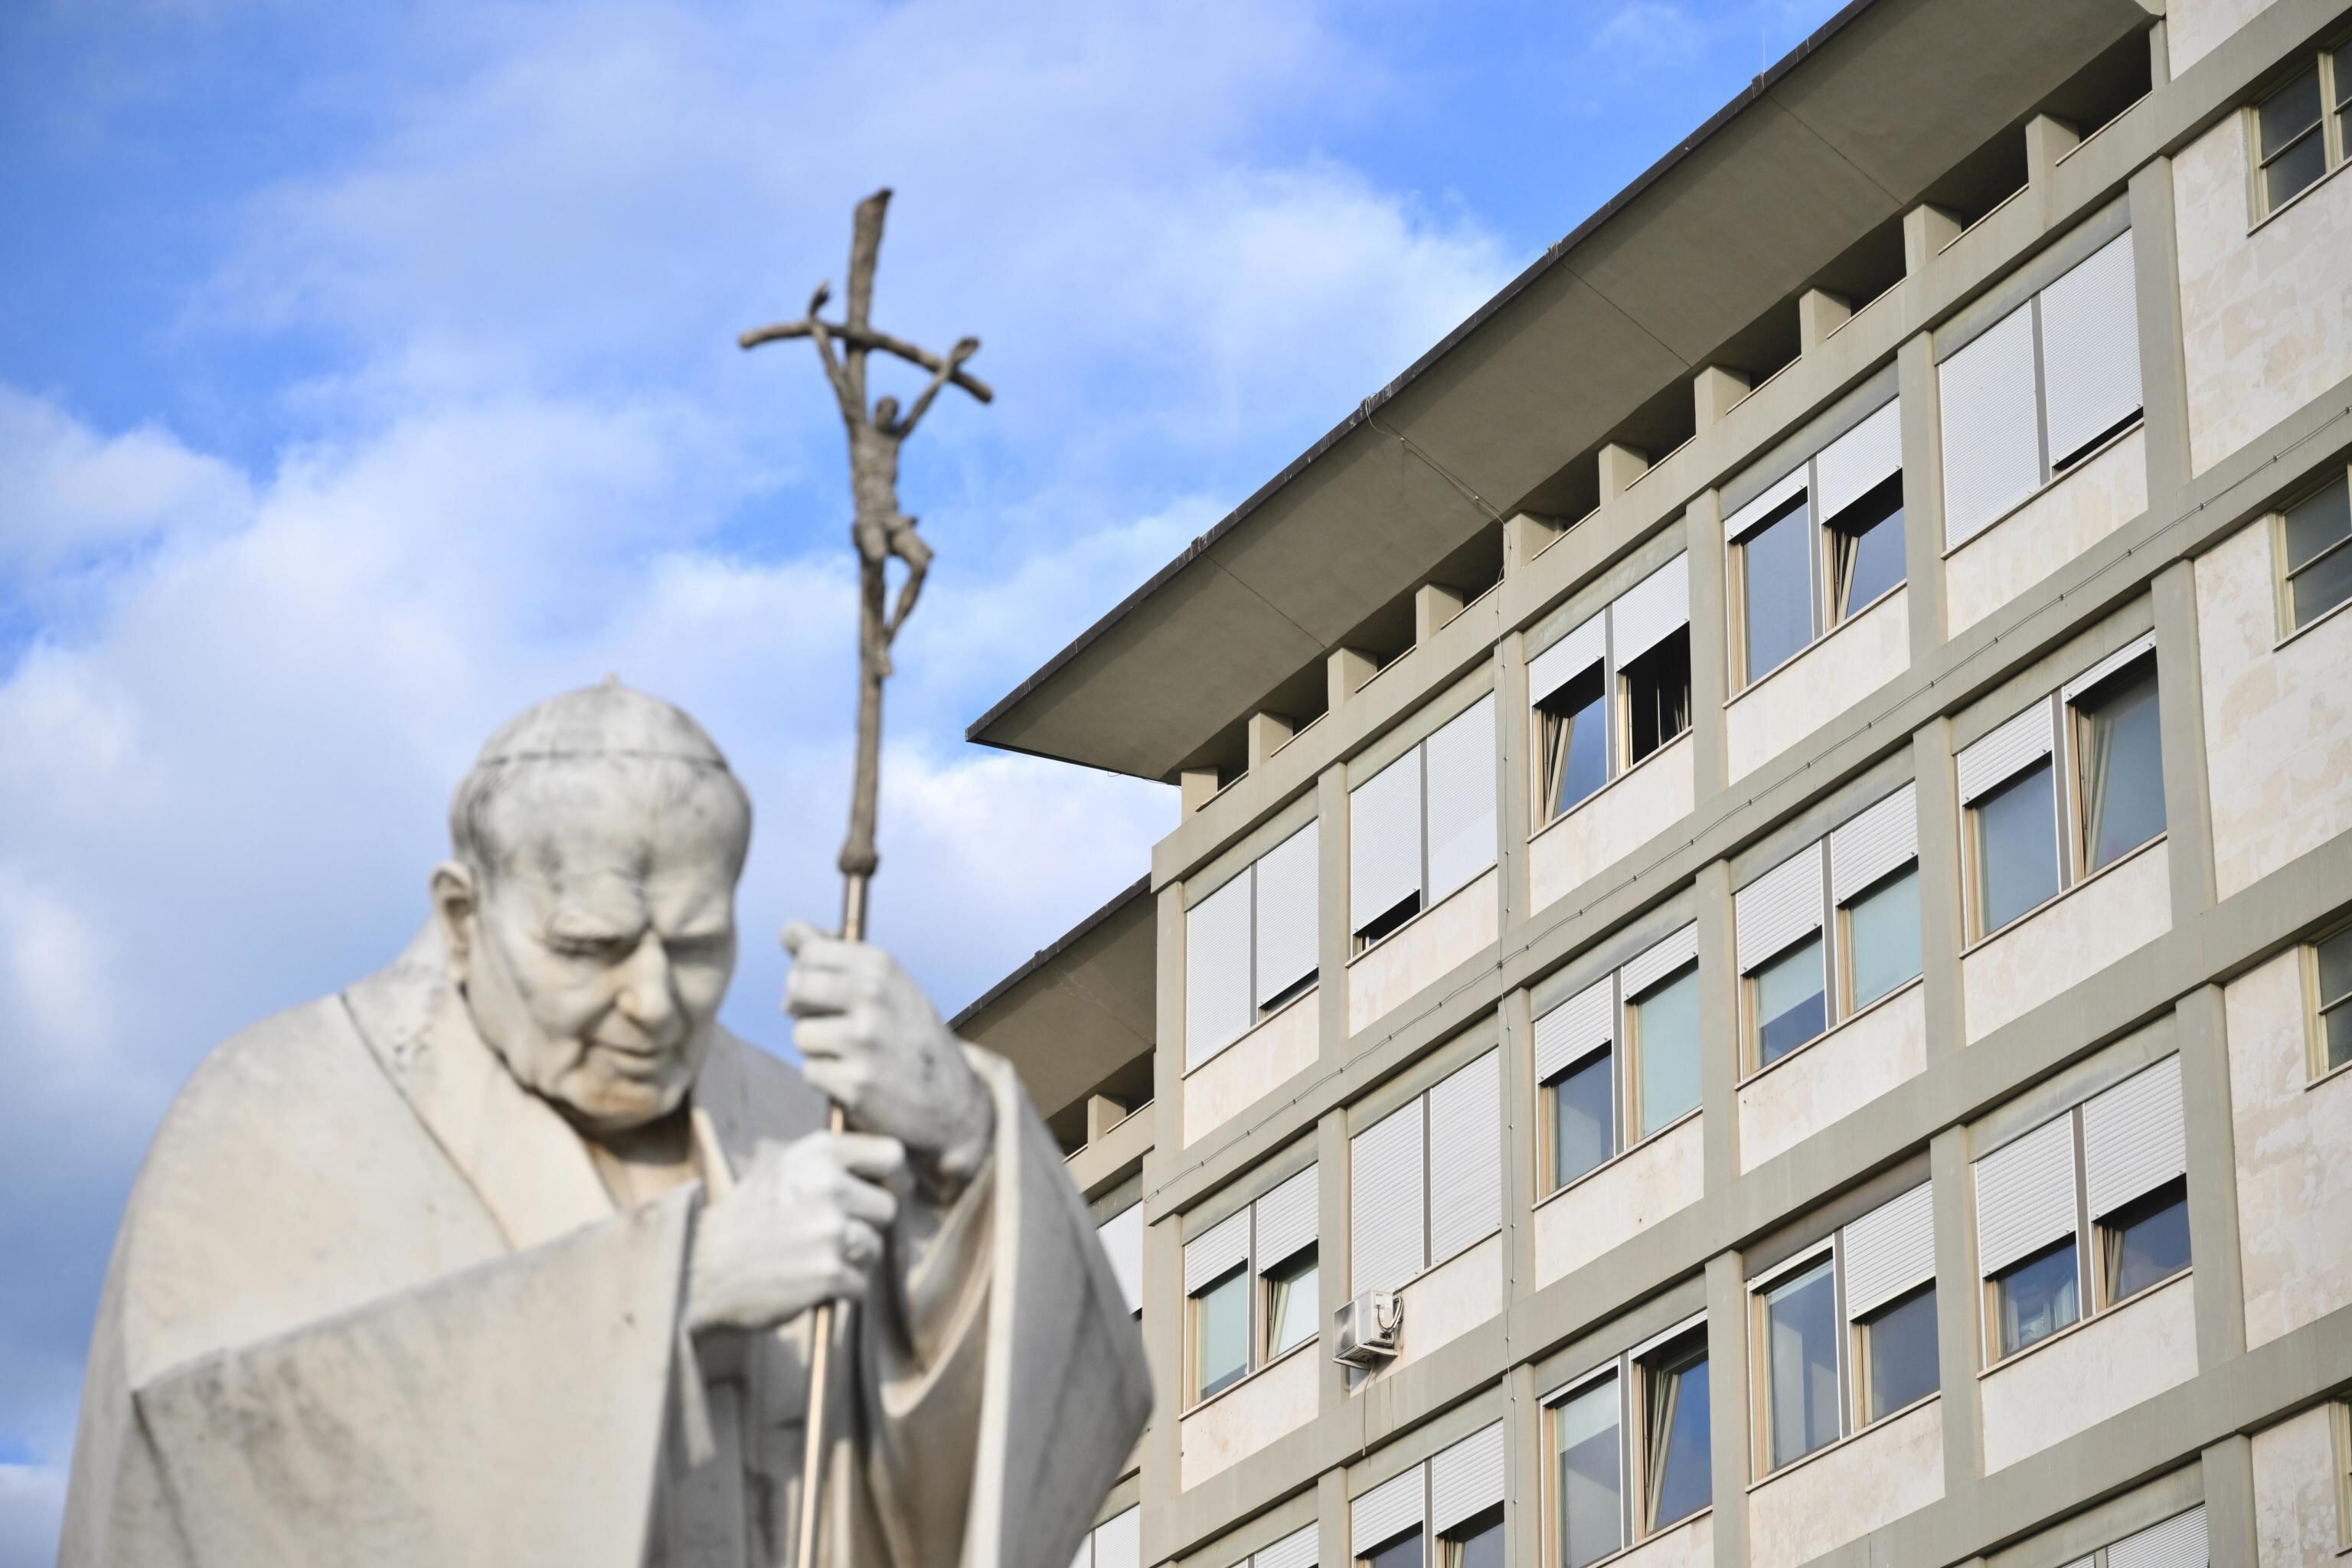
(2209, 1401)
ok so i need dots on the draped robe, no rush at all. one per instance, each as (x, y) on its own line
(370, 1303)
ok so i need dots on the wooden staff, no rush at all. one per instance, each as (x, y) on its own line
(880, 531)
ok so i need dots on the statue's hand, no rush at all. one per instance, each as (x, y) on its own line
(873, 1041)
(803, 1225)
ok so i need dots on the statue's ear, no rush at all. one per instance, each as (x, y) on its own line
(454, 908)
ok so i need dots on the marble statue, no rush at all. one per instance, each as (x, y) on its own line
(506, 1254)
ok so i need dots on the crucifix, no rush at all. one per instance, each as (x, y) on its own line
(881, 532)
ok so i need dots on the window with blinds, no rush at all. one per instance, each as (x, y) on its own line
(1612, 691)
(1423, 826)
(1845, 1333)
(2177, 1543)
(2031, 396)
(1425, 1182)
(1122, 1242)
(1454, 1496)
(2118, 1163)
(1618, 1061)
(1115, 1543)
(1301, 1549)
(1816, 547)
(1250, 946)
(1250, 1287)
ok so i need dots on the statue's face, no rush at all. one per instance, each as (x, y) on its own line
(596, 957)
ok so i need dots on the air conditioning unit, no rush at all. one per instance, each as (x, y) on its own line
(1367, 1327)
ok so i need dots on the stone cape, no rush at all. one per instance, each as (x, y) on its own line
(371, 1304)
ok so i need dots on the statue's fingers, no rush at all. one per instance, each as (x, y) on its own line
(815, 993)
(810, 943)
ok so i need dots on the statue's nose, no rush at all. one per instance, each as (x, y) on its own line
(645, 999)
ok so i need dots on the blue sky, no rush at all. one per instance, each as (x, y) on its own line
(367, 372)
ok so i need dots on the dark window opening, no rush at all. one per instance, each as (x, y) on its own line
(1388, 920)
(1657, 696)
(1867, 549)
(2146, 1240)
(1575, 743)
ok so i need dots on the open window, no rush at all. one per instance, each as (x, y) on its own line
(1678, 1467)
(1656, 689)
(1475, 1543)
(2119, 764)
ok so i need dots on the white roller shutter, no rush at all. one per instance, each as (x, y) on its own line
(1385, 1200)
(1217, 1006)
(1889, 1250)
(1776, 496)
(1385, 1512)
(1465, 1156)
(1297, 1550)
(1222, 1246)
(1566, 659)
(1853, 465)
(1285, 1219)
(1085, 1557)
(2025, 1196)
(2140, 647)
(1385, 839)
(2178, 1542)
(1119, 1541)
(2090, 348)
(1580, 1024)
(2006, 752)
(1461, 798)
(1122, 1239)
(1466, 1478)
(1661, 961)
(1992, 434)
(1874, 843)
(2133, 1140)
(1286, 914)
(1779, 907)
(1651, 610)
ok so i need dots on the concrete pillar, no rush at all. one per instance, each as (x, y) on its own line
(1619, 467)
(1927, 230)
(1432, 606)
(1710, 647)
(2047, 139)
(1726, 1385)
(2203, 1030)
(1168, 1055)
(2181, 706)
(1163, 1330)
(1819, 313)
(1103, 1113)
(1526, 1467)
(1515, 782)
(1959, 1305)
(1195, 787)
(1523, 538)
(1715, 392)
(1331, 1255)
(1923, 494)
(1344, 672)
(1334, 942)
(1718, 1029)
(1331, 1520)
(1522, 1127)
(1267, 734)
(2229, 1475)
(2163, 363)
(1942, 920)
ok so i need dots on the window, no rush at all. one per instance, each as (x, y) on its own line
(2178, 1541)
(1301, 1549)
(1122, 1242)
(1818, 547)
(1860, 1310)
(1629, 1447)
(1678, 1468)
(1250, 1287)
(1118, 1543)
(1830, 930)
(2332, 971)
(1423, 826)
(1638, 648)
(2300, 129)
(2109, 751)
(1663, 1024)
(1402, 1552)
(1250, 947)
(2316, 541)
(1588, 1441)
(1439, 1156)
(2031, 396)
(1584, 1117)
(1579, 1060)
(1476, 1543)
(2119, 1162)
(1454, 1498)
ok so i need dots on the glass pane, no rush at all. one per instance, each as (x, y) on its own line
(2289, 112)
(1582, 746)
(2344, 75)
(2123, 766)
(2339, 1036)
(1584, 1117)
(1404, 1553)
(2293, 171)
(2017, 846)
(2336, 968)
(1657, 696)
(1792, 1004)
(2038, 1296)
(1666, 1024)
(1681, 1480)
(2320, 588)
(1883, 934)
(2315, 523)
(2150, 1240)
(1291, 1303)
(1777, 564)
(1483, 1550)
(1221, 1334)
(1800, 1364)
(1871, 550)
(1591, 1497)
(1902, 1341)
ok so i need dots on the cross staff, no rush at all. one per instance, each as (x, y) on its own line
(880, 531)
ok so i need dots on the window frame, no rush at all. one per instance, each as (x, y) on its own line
(1268, 1353)
(2317, 1007)
(1760, 1353)
(1992, 1289)
(1816, 597)
(2286, 575)
(1631, 1372)
(2107, 1265)
(1621, 702)
(1548, 724)
(1623, 1050)
(1387, 923)
(1548, 1156)
(1849, 1004)
(1629, 1025)
(1195, 1304)
(1452, 1546)
(1669, 1357)
(1858, 1337)
(1257, 1326)
(2332, 127)
(1834, 932)
(2076, 711)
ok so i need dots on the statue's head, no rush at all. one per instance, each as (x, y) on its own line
(589, 913)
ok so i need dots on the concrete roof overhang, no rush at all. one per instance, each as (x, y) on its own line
(1844, 134)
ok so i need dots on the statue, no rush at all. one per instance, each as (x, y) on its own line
(507, 1254)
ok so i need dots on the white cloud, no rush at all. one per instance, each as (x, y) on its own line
(72, 493)
(31, 1503)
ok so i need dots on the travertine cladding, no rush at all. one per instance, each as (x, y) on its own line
(1819, 684)
(1423, 953)
(1620, 1199)
(1834, 1077)
(2103, 1368)
(2278, 720)
(2068, 939)
(2294, 1179)
(1451, 1300)
(1893, 1469)
(1689, 1545)
(2265, 316)
(1247, 1417)
(2058, 523)
(2295, 1492)
(2192, 27)
(1614, 823)
(1251, 1068)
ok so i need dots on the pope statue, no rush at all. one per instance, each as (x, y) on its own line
(505, 1254)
